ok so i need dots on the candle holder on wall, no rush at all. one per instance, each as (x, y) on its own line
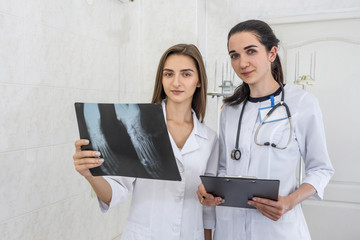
(227, 81)
(305, 80)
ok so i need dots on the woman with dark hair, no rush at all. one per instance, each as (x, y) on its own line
(254, 143)
(166, 210)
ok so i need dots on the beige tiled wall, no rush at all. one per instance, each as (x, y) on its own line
(53, 53)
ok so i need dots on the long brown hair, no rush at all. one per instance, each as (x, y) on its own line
(266, 37)
(199, 98)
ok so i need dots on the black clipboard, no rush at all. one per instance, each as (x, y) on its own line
(132, 139)
(237, 191)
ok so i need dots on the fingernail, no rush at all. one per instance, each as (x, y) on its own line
(97, 154)
(101, 160)
(87, 141)
(211, 197)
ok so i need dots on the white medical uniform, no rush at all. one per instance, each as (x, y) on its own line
(170, 210)
(308, 142)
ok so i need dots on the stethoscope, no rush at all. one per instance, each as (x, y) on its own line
(236, 154)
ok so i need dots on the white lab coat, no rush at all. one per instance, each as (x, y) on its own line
(170, 210)
(308, 142)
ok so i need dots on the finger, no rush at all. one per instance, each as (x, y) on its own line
(198, 195)
(260, 205)
(202, 199)
(270, 216)
(201, 189)
(266, 210)
(86, 154)
(264, 201)
(210, 201)
(87, 161)
(81, 142)
(83, 167)
(219, 200)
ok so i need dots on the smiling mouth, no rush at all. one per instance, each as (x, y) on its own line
(246, 73)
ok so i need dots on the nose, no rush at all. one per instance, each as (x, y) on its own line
(176, 80)
(243, 62)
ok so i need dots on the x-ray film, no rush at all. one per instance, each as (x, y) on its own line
(132, 139)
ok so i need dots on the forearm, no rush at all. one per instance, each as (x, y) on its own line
(208, 234)
(302, 193)
(101, 187)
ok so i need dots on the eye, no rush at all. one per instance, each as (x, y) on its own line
(167, 74)
(234, 56)
(251, 51)
(187, 74)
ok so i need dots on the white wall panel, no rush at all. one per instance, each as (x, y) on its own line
(337, 45)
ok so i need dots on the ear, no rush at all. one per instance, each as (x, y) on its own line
(273, 53)
(198, 84)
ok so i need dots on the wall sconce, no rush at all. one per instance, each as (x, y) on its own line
(305, 79)
(227, 81)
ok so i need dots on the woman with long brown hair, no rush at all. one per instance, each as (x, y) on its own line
(166, 210)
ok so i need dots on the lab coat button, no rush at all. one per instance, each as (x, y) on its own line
(181, 169)
(175, 229)
(178, 199)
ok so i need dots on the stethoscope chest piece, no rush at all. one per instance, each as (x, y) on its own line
(236, 154)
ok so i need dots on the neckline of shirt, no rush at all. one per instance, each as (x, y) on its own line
(264, 98)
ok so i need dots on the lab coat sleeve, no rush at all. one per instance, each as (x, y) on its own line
(211, 170)
(222, 146)
(121, 188)
(310, 135)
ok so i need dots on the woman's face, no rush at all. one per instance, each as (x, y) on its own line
(250, 59)
(180, 78)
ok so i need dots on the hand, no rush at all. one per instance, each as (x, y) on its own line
(84, 160)
(272, 209)
(206, 198)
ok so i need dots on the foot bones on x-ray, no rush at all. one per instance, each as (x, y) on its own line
(129, 115)
(98, 141)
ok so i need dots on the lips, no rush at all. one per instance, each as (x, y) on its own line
(176, 92)
(246, 74)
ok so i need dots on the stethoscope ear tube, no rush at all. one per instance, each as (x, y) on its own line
(236, 154)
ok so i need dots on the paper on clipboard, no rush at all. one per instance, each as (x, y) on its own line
(238, 190)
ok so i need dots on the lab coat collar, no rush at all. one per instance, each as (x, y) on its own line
(199, 130)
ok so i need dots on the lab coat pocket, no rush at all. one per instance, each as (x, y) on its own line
(280, 132)
(287, 227)
(135, 231)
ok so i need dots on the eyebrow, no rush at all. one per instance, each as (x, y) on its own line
(185, 70)
(182, 70)
(245, 48)
(250, 46)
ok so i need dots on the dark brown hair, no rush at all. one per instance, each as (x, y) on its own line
(199, 98)
(266, 37)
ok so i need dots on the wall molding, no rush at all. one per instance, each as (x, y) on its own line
(317, 40)
(317, 16)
